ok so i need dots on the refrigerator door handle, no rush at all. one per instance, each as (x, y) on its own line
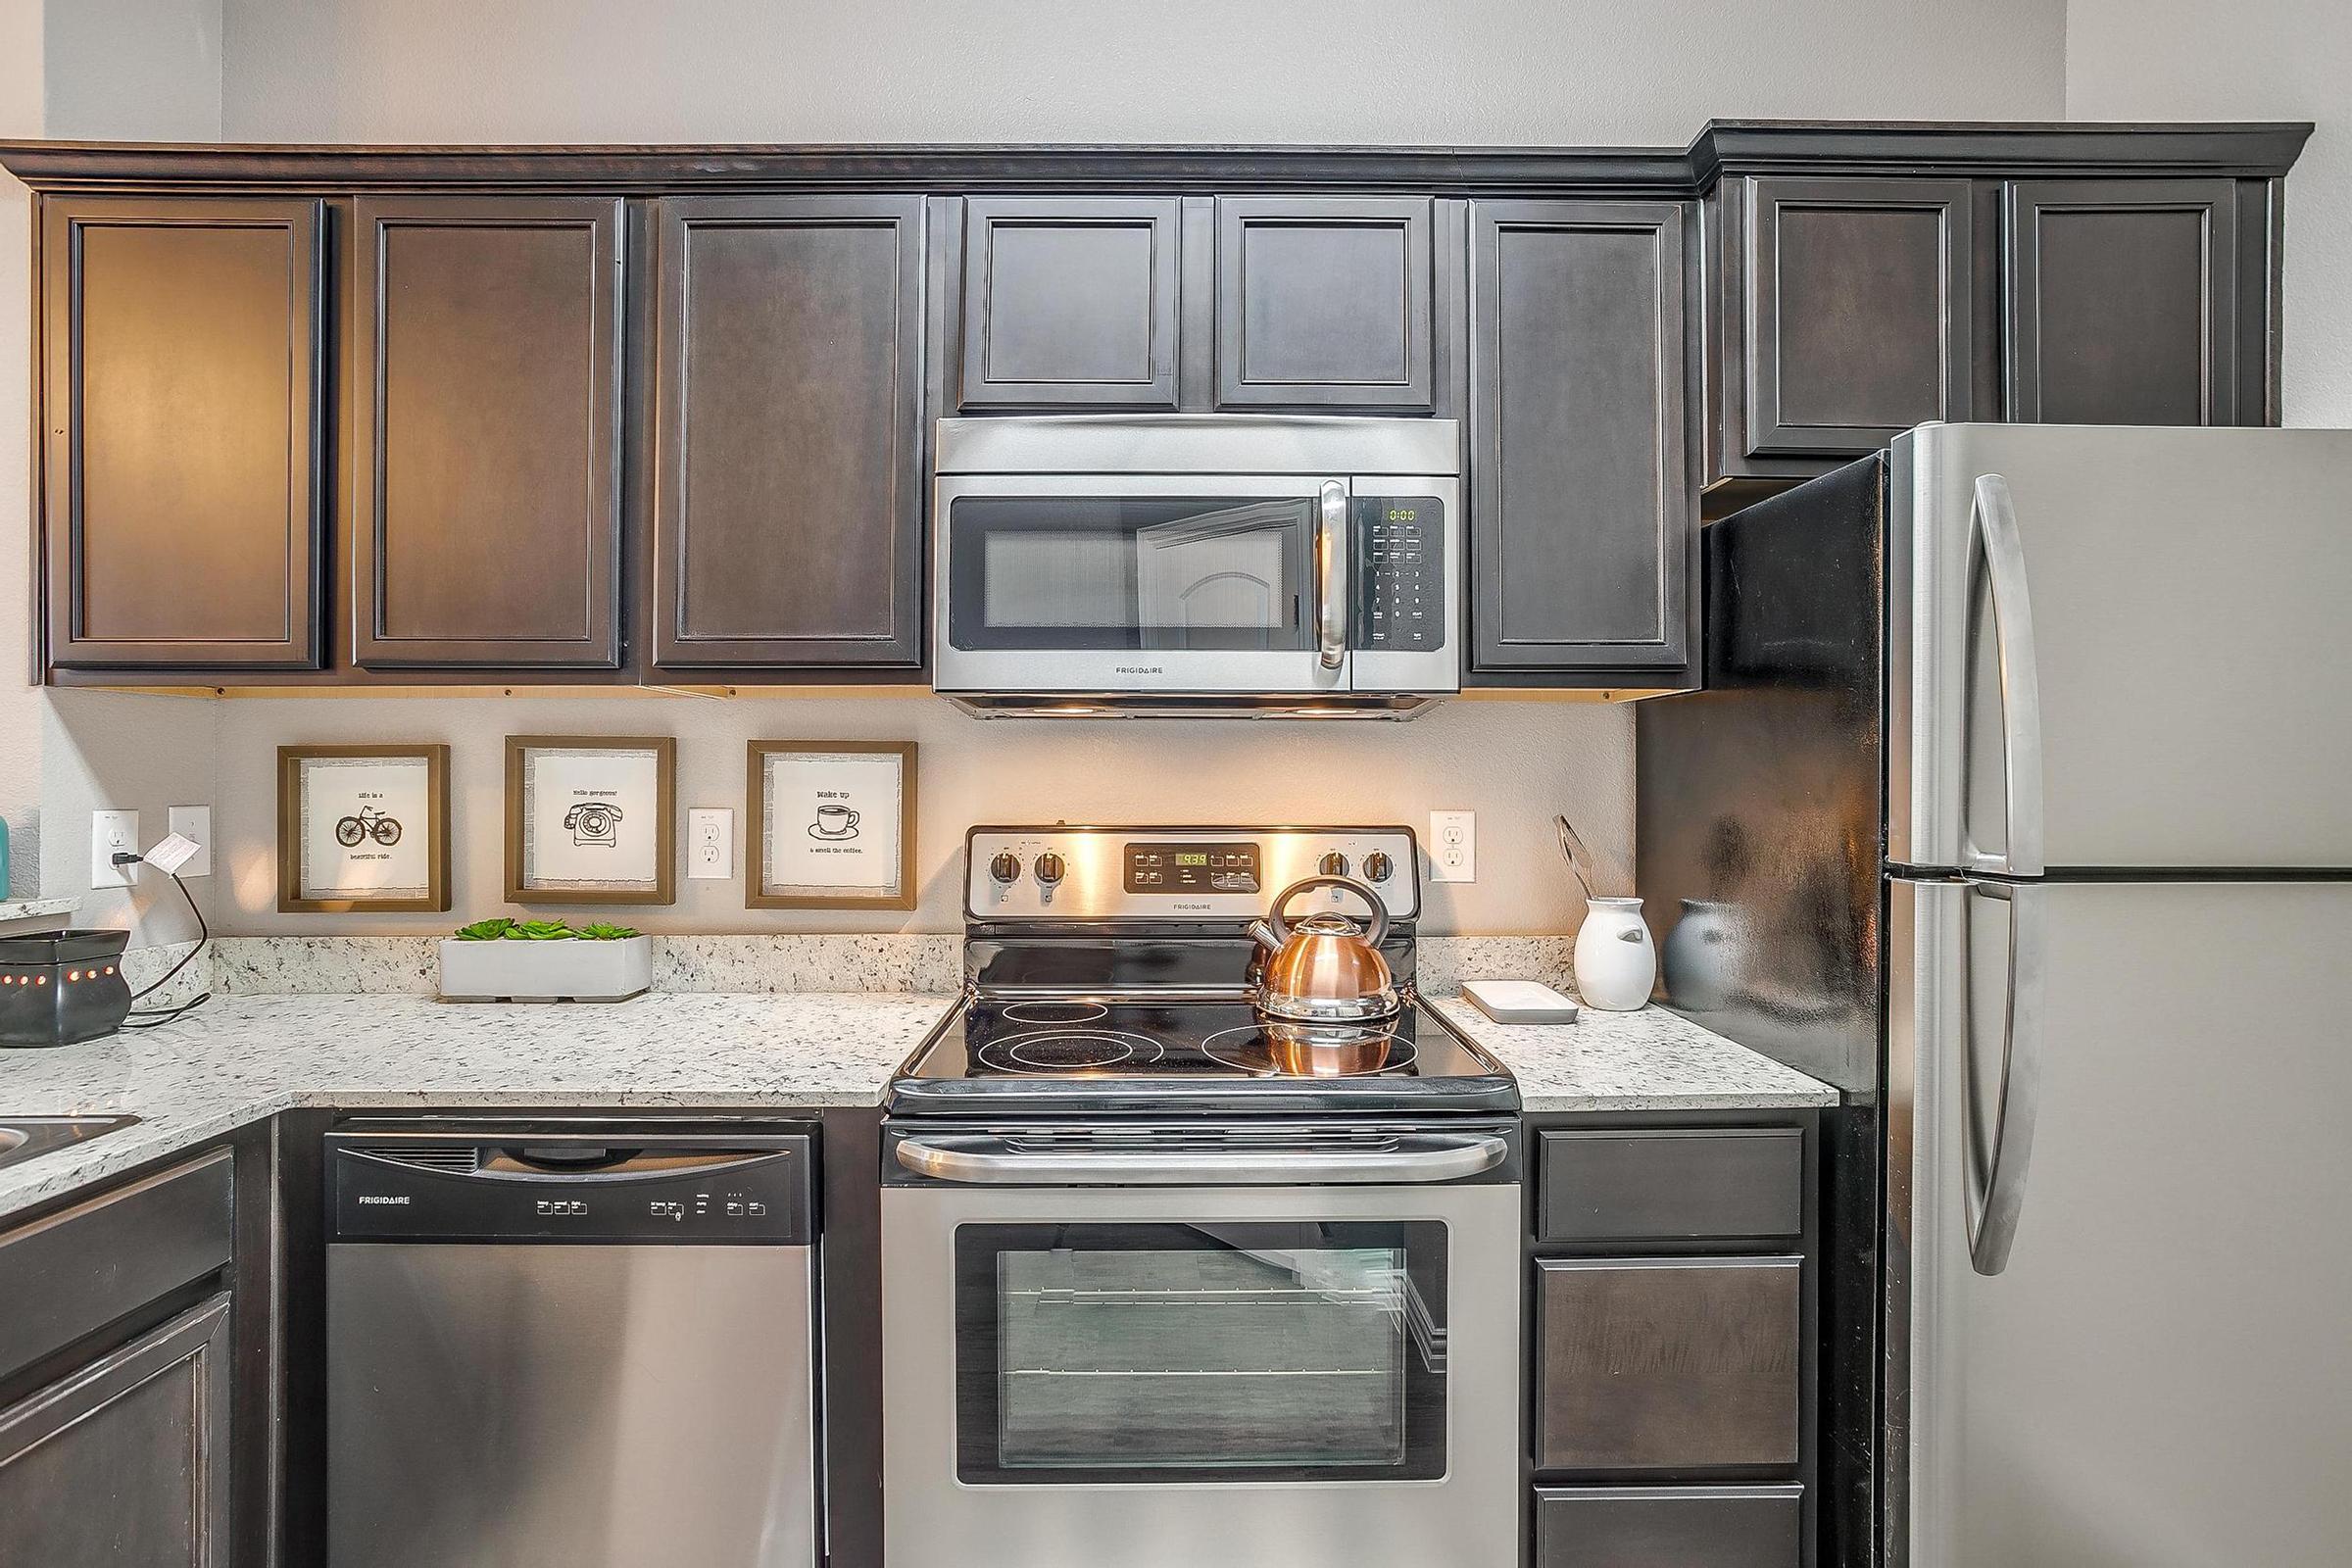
(1997, 1178)
(1994, 539)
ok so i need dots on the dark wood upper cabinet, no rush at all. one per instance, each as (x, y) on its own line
(182, 508)
(1859, 300)
(1325, 303)
(485, 396)
(788, 521)
(1582, 506)
(2123, 301)
(1069, 301)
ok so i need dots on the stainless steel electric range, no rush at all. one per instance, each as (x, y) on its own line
(1155, 1294)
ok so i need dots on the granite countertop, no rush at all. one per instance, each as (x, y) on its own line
(243, 1057)
(239, 1058)
(1647, 1060)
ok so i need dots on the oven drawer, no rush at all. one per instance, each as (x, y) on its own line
(1670, 1184)
(1670, 1527)
(1668, 1363)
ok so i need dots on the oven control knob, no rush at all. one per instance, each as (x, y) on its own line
(1048, 868)
(1333, 865)
(1377, 866)
(1006, 866)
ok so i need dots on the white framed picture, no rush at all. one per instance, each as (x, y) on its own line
(833, 825)
(362, 827)
(591, 818)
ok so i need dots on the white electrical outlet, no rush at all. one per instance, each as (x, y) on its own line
(1453, 846)
(710, 843)
(194, 823)
(112, 832)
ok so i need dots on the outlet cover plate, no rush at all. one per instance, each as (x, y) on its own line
(1453, 846)
(710, 843)
(112, 831)
(194, 823)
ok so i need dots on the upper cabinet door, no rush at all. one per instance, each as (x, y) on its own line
(181, 502)
(1583, 509)
(1324, 303)
(788, 493)
(1069, 301)
(2122, 302)
(485, 386)
(1859, 305)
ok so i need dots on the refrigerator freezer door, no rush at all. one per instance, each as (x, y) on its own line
(2159, 1375)
(2158, 612)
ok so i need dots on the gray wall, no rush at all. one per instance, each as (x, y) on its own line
(1595, 71)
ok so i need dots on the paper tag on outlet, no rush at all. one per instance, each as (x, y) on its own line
(172, 852)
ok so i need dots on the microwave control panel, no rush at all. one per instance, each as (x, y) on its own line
(1399, 573)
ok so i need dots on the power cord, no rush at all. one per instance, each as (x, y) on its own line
(157, 1018)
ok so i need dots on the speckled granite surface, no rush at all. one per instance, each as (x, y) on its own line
(1647, 1060)
(241, 1058)
(734, 964)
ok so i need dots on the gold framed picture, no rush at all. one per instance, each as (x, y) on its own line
(832, 825)
(362, 827)
(592, 820)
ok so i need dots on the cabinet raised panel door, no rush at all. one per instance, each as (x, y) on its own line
(485, 380)
(2123, 301)
(181, 503)
(788, 510)
(1583, 509)
(1859, 305)
(1070, 302)
(1324, 303)
(124, 1462)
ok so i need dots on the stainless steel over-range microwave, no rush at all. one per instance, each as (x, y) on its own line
(1269, 564)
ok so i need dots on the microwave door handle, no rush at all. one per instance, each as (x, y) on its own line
(1330, 575)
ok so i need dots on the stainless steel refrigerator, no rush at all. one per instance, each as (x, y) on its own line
(2019, 804)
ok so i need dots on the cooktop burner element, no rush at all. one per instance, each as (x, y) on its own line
(1052, 1011)
(1312, 1050)
(1052, 1051)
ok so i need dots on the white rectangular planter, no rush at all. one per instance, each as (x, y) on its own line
(574, 970)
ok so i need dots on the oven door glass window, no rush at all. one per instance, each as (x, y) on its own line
(1223, 573)
(1245, 1352)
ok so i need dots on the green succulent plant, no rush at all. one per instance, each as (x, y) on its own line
(504, 929)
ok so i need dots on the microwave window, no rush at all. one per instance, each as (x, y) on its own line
(1222, 572)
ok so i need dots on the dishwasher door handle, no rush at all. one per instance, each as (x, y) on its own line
(1001, 1161)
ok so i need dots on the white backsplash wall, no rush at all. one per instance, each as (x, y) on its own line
(1512, 762)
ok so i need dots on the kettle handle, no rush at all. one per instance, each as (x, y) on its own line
(1363, 891)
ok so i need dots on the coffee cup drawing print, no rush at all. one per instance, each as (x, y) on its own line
(834, 823)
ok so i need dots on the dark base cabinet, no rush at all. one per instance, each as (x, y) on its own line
(1669, 1527)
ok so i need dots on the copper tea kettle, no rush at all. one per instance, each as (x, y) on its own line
(1326, 967)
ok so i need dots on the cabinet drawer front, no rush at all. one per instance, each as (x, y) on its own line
(485, 517)
(1670, 1185)
(126, 1460)
(1324, 303)
(81, 1269)
(788, 510)
(1670, 1527)
(1668, 1363)
(1069, 301)
(182, 498)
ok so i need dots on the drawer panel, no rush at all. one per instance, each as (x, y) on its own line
(1668, 1363)
(1670, 1184)
(82, 1269)
(1670, 1527)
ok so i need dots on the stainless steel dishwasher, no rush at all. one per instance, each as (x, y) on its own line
(584, 1346)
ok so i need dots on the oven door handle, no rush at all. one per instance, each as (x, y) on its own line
(990, 1160)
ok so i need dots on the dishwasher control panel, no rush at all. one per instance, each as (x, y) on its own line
(611, 1187)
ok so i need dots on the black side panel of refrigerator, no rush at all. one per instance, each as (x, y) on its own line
(1759, 832)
